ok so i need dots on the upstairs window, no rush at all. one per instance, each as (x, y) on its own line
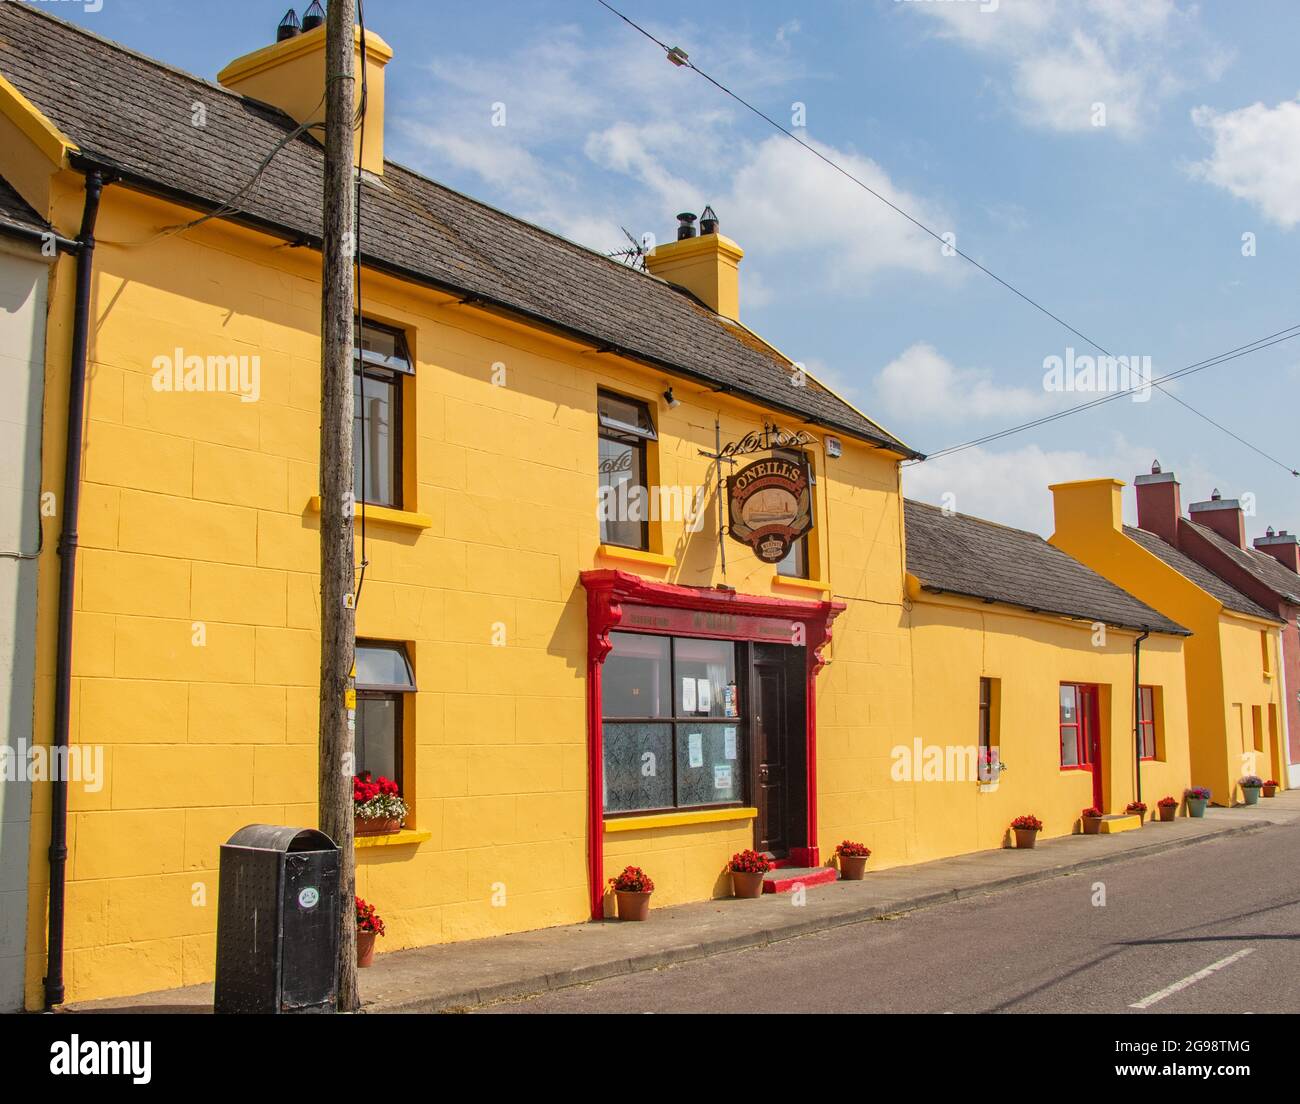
(381, 362)
(1147, 721)
(383, 681)
(796, 564)
(626, 428)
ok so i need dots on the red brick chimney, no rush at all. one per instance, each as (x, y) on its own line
(1283, 546)
(1159, 505)
(1223, 515)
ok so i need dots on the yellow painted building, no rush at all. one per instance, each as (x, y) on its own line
(1234, 694)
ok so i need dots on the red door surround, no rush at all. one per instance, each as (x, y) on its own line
(621, 600)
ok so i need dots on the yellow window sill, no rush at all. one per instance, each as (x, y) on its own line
(635, 555)
(408, 519)
(394, 839)
(801, 584)
(676, 820)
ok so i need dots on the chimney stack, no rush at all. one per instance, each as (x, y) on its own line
(1283, 547)
(290, 74)
(1159, 504)
(706, 264)
(1223, 515)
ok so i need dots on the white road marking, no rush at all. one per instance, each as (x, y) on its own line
(1200, 975)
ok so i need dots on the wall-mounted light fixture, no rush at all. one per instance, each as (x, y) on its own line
(671, 399)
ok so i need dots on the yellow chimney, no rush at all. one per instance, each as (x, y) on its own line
(290, 75)
(708, 266)
(1088, 508)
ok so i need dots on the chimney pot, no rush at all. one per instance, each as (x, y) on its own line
(1214, 495)
(708, 221)
(1155, 467)
(289, 26)
(313, 17)
(685, 225)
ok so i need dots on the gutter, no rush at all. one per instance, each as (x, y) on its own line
(54, 989)
(479, 300)
(41, 237)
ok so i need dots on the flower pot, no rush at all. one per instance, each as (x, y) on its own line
(365, 948)
(1251, 794)
(1270, 791)
(1142, 816)
(746, 885)
(384, 826)
(1091, 825)
(853, 867)
(633, 906)
(1167, 813)
(1196, 806)
(1025, 837)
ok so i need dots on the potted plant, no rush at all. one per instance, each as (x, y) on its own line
(853, 860)
(1137, 809)
(377, 807)
(369, 925)
(1197, 798)
(1091, 817)
(1250, 787)
(747, 869)
(1026, 829)
(1168, 807)
(1270, 788)
(632, 888)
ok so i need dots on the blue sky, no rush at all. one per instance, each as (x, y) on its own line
(979, 118)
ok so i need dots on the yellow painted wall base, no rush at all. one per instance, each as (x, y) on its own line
(1111, 825)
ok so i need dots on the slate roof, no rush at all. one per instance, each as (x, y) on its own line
(133, 114)
(1203, 577)
(1278, 578)
(15, 213)
(959, 554)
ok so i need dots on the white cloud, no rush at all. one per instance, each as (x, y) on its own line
(1255, 156)
(922, 386)
(1067, 55)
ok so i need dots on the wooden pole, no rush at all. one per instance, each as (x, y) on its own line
(337, 613)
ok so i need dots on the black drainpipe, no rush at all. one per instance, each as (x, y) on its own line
(1137, 708)
(67, 581)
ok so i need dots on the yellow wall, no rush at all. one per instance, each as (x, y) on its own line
(1223, 656)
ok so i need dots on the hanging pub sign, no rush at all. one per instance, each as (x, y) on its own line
(770, 437)
(770, 503)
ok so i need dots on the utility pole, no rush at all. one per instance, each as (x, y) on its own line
(337, 612)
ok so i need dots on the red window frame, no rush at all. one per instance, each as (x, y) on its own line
(1147, 722)
(1080, 729)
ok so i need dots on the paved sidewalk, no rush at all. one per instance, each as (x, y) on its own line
(459, 975)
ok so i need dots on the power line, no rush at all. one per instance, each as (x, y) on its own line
(681, 59)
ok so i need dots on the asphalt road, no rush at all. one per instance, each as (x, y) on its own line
(1209, 928)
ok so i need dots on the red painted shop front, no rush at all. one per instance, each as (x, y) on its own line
(702, 698)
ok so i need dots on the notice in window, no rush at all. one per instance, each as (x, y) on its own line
(729, 743)
(688, 695)
(695, 749)
(704, 695)
(729, 701)
(722, 776)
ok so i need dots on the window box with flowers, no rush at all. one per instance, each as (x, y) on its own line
(369, 926)
(1026, 829)
(377, 806)
(747, 869)
(1197, 798)
(1137, 809)
(632, 890)
(1091, 818)
(1250, 787)
(1270, 788)
(853, 860)
(1168, 807)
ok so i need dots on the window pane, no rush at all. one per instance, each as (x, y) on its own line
(382, 346)
(1069, 705)
(795, 564)
(638, 766)
(625, 416)
(383, 665)
(1146, 708)
(705, 773)
(706, 677)
(635, 679)
(375, 413)
(624, 507)
(1069, 746)
(377, 737)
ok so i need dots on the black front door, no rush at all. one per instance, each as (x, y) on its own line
(779, 764)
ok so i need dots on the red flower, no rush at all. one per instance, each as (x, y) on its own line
(632, 880)
(853, 850)
(1029, 822)
(1091, 813)
(749, 862)
(1168, 803)
(368, 920)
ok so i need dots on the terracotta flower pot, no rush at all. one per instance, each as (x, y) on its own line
(365, 948)
(384, 826)
(746, 885)
(1141, 815)
(1270, 791)
(1091, 825)
(1167, 813)
(633, 906)
(1025, 837)
(852, 867)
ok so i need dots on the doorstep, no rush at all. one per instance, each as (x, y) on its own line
(786, 879)
(1119, 822)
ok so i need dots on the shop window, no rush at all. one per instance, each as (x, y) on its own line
(384, 681)
(626, 428)
(382, 361)
(1148, 726)
(672, 724)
